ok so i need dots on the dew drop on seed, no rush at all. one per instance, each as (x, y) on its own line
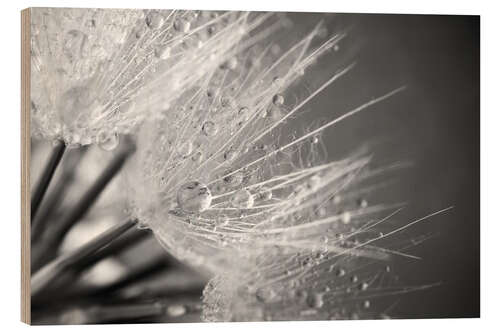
(222, 220)
(197, 157)
(162, 52)
(230, 64)
(265, 194)
(108, 141)
(209, 128)
(154, 20)
(315, 300)
(314, 183)
(277, 81)
(278, 100)
(185, 149)
(230, 155)
(265, 295)
(194, 197)
(336, 199)
(345, 217)
(243, 199)
(362, 203)
(182, 25)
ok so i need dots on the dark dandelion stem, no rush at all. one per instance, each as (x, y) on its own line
(46, 176)
(51, 243)
(52, 201)
(53, 270)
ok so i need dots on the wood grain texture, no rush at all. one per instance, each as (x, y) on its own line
(25, 165)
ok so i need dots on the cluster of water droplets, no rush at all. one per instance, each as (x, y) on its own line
(98, 73)
(226, 187)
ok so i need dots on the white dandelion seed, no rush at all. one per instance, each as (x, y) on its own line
(98, 73)
(272, 233)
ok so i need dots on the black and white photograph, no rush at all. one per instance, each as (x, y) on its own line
(185, 166)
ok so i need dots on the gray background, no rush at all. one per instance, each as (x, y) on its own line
(434, 124)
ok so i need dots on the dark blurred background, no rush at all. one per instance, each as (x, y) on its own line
(434, 124)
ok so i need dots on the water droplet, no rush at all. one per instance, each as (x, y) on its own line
(230, 155)
(243, 199)
(154, 20)
(340, 272)
(278, 100)
(315, 300)
(277, 81)
(265, 194)
(222, 220)
(197, 157)
(227, 102)
(193, 197)
(209, 128)
(366, 304)
(336, 199)
(362, 203)
(265, 295)
(108, 141)
(230, 64)
(354, 279)
(314, 183)
(185, 149)
(314, 140)
(182, 25)
(345, 217)
(363, 286)
(162, 52)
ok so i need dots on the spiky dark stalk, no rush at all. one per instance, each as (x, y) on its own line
(46, 176)
(48, 247)
(53, 270)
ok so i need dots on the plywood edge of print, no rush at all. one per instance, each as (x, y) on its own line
(25, 165)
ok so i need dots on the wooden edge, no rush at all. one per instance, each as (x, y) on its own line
(25, 165)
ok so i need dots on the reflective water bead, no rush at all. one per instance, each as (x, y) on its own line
(193, 197)
(108, 141)
(278, 100)
(162, 52)
(185, 149)
(242, 199)
(362, 203)
(182, 25)
(265, 194)
(154, 20)
(230, 155)
(197, 157)
(222, 220)
(315, 300)
(265, 295)
(209, 128)
(345, 217)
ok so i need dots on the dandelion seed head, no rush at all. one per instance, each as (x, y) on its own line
(107, 70)
(273, 229)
